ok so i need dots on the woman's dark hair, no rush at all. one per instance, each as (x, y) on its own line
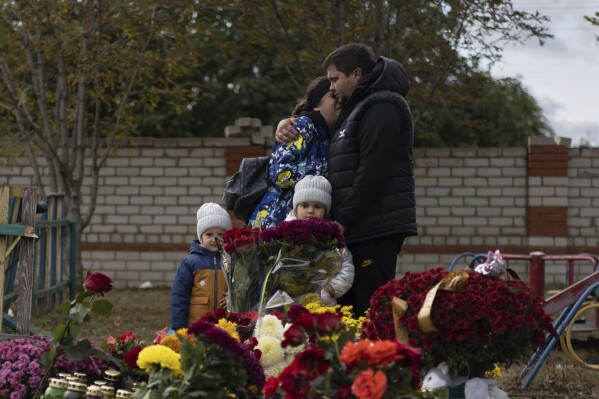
(316, 89)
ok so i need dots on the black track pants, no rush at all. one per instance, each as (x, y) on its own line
(375, 262)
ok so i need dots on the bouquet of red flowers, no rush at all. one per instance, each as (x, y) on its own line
(333, 365)
(484, 322)
(279, 265)
(305, 257)
(248, 268)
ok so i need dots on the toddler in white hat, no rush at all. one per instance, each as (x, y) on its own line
(312, 198)
(199, 284)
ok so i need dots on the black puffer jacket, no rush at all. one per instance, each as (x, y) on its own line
(371, 165)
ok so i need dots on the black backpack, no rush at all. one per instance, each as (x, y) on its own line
(245, 189)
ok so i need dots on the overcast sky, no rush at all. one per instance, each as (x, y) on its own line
(563, 75)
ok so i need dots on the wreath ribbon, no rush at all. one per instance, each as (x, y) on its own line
(453, 282)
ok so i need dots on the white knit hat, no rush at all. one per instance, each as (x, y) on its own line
(212, 215)
(313, 188)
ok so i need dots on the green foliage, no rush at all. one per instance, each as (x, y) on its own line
(79, 312)
(594, 20)
(74, 74)
(47, 359)
(257, 56)
(66, 335)
(482, 112)
(102, 307)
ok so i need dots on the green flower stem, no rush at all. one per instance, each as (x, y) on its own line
(39, 391)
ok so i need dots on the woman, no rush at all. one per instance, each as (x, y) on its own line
(307, 155)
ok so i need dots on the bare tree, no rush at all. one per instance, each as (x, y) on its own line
(69, 73)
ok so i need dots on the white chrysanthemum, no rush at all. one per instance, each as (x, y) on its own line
(272, 352)
(291, 351)
(275, 370)
(269, 326)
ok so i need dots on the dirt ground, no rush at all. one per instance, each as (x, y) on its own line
(140, 311)
(144, 312)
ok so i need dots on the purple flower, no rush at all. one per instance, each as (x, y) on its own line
(254, 368)
(323, 234)
(233, 347)
(21, 372)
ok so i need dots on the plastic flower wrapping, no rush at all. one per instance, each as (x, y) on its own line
(493, 267)
(283, 265)
(473, 322)
(248, 268)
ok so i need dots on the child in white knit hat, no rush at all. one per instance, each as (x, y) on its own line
(199, 283)
(312, 199)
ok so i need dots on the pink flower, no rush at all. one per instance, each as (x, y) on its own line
(159, 335)
(112, 345)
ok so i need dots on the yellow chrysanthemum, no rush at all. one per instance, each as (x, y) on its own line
(272, 352)
(159, 356)
(182, 332)
(346, 311)
(269, 326)
(229, 327)
(495, 373)
(307, 299)
(172, 341)
(349, 321)
(316, 308)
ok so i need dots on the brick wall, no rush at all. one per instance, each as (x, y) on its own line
(541, 198)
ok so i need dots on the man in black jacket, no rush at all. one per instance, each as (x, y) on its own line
(371, 165)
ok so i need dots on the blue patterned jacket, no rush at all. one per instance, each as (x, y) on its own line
(289, 163)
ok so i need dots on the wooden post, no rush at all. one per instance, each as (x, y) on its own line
(4, 197)
(25, 268)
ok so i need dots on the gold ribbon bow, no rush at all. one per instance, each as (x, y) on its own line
(454, 282)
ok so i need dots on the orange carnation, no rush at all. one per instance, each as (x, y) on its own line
(375, 353)
(382, 353)
(353, 353)
(369, 385)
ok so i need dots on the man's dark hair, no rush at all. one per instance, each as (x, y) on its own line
(351, 56)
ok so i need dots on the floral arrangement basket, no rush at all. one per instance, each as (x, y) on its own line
(482, 322)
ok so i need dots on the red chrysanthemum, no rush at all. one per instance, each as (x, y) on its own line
(486, 322)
